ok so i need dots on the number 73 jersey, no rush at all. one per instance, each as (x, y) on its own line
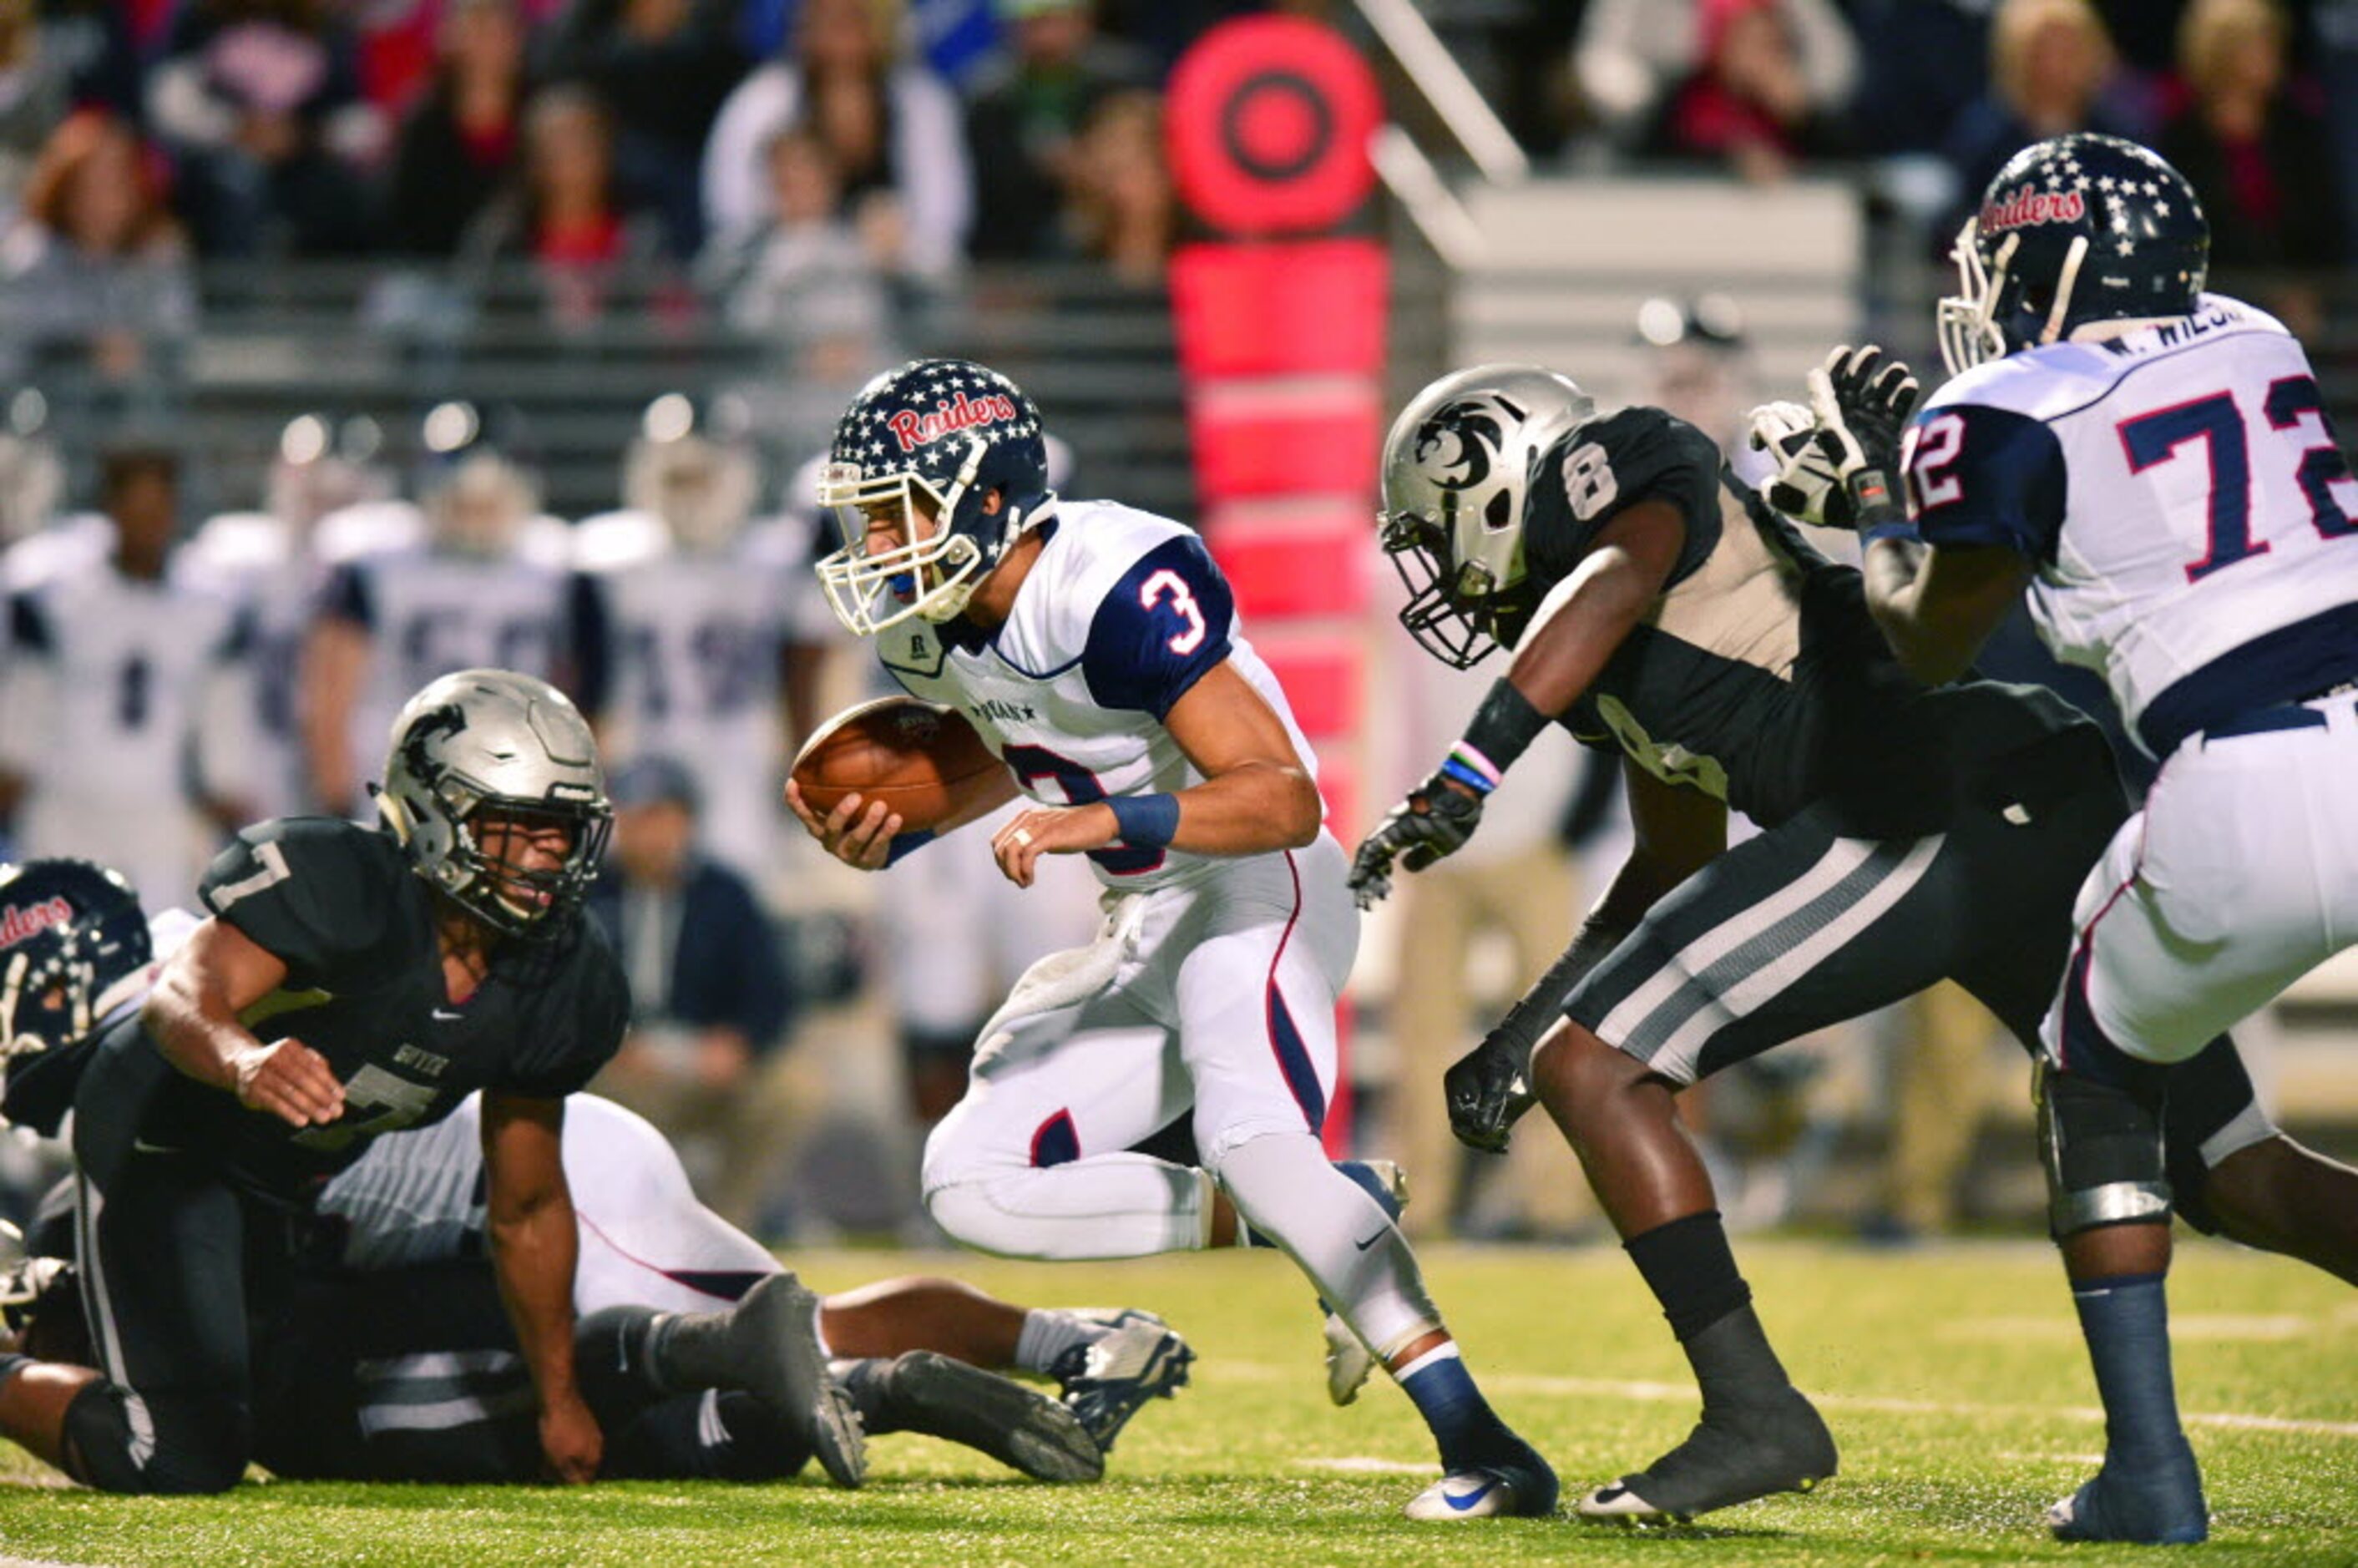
(2180, 493)
(1122, 614)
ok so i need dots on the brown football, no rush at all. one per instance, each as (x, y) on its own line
(924, 762)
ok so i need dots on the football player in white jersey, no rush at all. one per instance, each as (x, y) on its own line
(680, 623)
(274, 563)
(1096, 649)
(2154, 466)
(481, 585)
(113, 668)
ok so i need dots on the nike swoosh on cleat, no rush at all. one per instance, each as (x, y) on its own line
(1370, 1241)
(442, 1017)
(1460, 1505)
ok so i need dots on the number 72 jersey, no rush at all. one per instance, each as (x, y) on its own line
(2180, 493)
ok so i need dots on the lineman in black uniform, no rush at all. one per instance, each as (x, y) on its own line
(350, 982)
(1656, 606)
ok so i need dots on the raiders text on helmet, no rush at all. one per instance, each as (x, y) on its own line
(922, 448)
(73, 946)
(494, 741)
(2074, 229)
(1457, 474)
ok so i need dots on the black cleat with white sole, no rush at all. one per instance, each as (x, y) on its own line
(1027, 1431)
(1735, 1455)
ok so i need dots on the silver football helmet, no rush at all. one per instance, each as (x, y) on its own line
(1457, 473)
(496, 743)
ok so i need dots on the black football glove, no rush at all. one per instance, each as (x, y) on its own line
(1488, 1090)
(1862, 402)
(1433, 821)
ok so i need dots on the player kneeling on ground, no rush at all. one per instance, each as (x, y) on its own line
(349, 983)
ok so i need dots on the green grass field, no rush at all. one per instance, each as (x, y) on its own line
(1952, 1376)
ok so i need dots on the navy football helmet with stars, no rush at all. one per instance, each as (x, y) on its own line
(2074, 229)
(73, 941)
(917, 456)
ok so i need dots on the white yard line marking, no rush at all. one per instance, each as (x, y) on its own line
(1365, 1463)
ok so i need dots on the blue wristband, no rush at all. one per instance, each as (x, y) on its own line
(904, 845)
(1146, 821)
(1905, 531)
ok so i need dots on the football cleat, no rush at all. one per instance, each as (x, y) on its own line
(935, 1395)
(2164, 1507)
(1106, 1381)
(1349, 1363)
(1511, 1489)
(1732, 1456)
(767, 1345)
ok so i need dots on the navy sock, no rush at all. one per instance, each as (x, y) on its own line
(1461, 1421)
(1692, 1271)
(2126, 1318)
(10, 1364)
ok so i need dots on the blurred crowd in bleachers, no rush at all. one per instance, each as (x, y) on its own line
(807, 165)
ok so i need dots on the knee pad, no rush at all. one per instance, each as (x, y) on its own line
(967, 1212)
(120, 1442)
(2103, 1149)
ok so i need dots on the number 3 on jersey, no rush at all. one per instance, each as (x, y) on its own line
(1170, 584)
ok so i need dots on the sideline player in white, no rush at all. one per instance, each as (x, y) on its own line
(680, 623)
(2154, 465)
(115, 666)
(1096, 649)
(480, 584)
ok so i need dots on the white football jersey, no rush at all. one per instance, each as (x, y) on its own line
(2181, 492)
(680, 655)
(109, 683)
(429, 612)
(1122, 614)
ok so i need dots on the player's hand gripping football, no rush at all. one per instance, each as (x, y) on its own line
(1436, 819)
(1488, 1090)
(858, 831)
(288, 1079)
(1862, 402)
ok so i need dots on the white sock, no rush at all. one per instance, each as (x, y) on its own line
(1048, 1332)
(1341, 1238)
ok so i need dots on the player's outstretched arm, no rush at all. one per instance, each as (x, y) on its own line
(1580, 624)
(192, 1016)
(534, 1250)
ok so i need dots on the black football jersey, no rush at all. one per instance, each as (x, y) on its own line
(1759, 678)
(339, 905)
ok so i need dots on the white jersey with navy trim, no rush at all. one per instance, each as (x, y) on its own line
(680, 653)
(111, 680)
(1122, 614)
(429, 612)
(2181, 492)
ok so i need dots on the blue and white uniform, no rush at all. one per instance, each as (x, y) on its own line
(2191, 518)
(1215, 983)
(681, 654)
(429, 611)
(111, 679)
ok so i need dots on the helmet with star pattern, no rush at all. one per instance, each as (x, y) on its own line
(936, 468)
(2074, 229)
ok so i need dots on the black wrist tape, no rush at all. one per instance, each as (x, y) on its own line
(1505, 725)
